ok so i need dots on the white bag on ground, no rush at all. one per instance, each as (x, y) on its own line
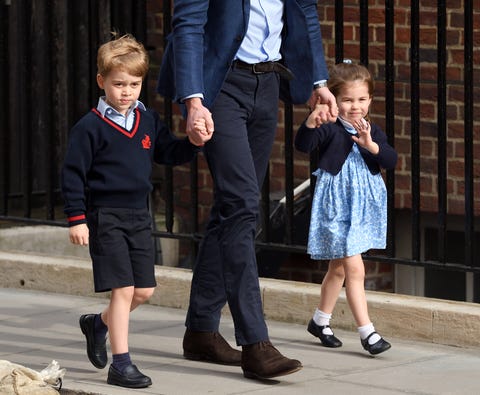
(19, 380)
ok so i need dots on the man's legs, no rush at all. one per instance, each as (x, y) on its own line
(237, 155)
(233, 215)
(245, 116)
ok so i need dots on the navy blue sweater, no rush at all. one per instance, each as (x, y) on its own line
(335, 143)
(109, 166)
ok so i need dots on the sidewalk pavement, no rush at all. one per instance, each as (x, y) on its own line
(37, 327)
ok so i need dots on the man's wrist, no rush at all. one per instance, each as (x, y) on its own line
(320, 84)
(193, 102)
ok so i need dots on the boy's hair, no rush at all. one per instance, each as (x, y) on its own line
(346, 72)
(124, 53)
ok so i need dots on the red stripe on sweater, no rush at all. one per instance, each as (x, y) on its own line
(76, 218)
(118, 127)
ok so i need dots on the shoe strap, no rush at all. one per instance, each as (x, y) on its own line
(371, 334)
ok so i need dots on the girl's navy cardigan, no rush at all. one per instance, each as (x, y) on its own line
(335, 143)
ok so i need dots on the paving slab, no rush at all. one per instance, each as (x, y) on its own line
(37, 327)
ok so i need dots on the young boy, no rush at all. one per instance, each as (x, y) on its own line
(105, 184)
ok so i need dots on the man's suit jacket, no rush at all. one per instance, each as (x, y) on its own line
(209, 33)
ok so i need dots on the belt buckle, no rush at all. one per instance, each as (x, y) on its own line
(254, 69)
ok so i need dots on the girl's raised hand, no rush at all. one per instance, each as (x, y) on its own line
(364, 138)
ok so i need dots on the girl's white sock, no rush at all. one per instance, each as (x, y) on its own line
(366, 330)
(320, 318)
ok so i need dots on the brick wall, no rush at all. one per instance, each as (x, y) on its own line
(378, 276)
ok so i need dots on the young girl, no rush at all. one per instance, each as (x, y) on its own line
(349, 212)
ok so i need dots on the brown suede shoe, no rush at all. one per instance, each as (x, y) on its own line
(210, 347)
(263, 361)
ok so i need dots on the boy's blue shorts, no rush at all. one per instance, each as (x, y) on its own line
(121, 248)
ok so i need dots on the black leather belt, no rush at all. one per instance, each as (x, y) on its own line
(265, 67)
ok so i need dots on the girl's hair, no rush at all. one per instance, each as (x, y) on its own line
(124, 53)
(343, 73)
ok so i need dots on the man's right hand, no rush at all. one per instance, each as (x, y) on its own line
(197, 112)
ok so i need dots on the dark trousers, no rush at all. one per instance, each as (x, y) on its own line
(245, 116)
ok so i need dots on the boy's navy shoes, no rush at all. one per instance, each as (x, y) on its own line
(96, 351)
(377, 347)
(327, 340)
(131, 377)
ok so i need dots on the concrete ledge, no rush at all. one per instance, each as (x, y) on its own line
(409, 317)
(54, 241)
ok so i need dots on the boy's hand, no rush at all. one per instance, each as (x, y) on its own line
(79, 234)
(200, 127)
(197, 112)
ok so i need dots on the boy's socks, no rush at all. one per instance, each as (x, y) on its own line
(121, 361)
(100, 329)
(366, 330)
